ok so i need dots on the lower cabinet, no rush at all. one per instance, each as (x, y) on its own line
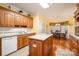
(74, 45)
(35, 48)
(47, 48)
(22, 41)
(0, 47)
(40, 48)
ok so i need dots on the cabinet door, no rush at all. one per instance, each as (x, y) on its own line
(1, 17)
(17, 19)
(48, 47)
(9, 18)
(35, 48)
(26, 21)
(22, 41)
(21, 20)
(25, 41)
(78, 47)
(30, 22)
(19, 42)
(0, 47)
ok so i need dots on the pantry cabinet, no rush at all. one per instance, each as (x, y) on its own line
(10, 18)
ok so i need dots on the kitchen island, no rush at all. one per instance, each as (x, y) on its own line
(40, 45)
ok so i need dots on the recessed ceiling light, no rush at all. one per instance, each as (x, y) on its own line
(44, 5)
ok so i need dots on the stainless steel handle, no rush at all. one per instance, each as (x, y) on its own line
(8, 38)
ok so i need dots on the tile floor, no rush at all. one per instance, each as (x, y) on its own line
(21, 52)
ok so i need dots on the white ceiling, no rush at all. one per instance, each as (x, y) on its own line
(55, 9)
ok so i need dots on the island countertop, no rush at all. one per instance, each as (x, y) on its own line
(42, 37)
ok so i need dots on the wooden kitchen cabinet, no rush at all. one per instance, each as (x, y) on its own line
(35, 48)
(10, 18)
(0, 47)
(48, 47)
(6, 18)
(22, 41)
(19, 42)
(23, 21)
(74, 45)
(29, 22)
(1, 17)
(18, 19)
(39, 47)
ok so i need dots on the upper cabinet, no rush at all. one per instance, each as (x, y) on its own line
(77, 13)
(29, 22)
(6, 18)
(1, 17)
(12, 19)
(17, 19)
(9, 19)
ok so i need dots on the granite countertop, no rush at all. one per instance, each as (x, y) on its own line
(75, 36)
(40, 36)
(12, 34)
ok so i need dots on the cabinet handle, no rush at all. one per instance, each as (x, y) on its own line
(8, 38)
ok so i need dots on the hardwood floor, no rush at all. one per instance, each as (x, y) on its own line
(61, 47)
(65, 44)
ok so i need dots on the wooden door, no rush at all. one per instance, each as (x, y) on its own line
(35, 48)
(9, 18)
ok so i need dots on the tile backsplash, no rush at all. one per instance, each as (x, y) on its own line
(7, 29)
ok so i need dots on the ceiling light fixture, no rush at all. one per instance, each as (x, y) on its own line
(44, 5)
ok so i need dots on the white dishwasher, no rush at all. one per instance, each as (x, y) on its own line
(9, 45)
